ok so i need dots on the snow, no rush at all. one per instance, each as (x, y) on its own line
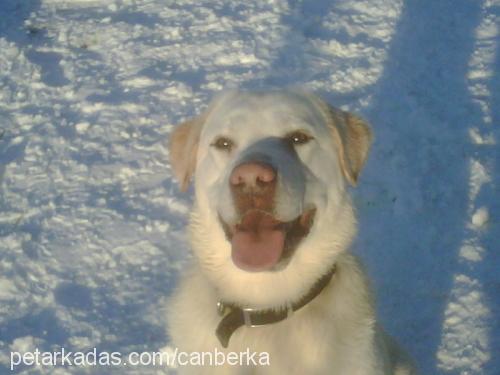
(480, 217)
(92, 224)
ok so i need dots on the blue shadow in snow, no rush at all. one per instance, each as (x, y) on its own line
(489, 196)
(424, 80)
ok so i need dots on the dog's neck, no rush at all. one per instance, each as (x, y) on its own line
(235, 316)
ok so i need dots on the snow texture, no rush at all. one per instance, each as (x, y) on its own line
(92, 222)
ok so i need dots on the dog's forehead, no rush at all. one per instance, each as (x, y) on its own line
(272, 113)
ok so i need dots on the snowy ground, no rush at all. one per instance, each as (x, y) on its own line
(91, 222)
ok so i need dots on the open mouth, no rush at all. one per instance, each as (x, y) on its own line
(260, 242)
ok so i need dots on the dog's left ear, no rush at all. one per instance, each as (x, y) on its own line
(183, 149)
(353, 137)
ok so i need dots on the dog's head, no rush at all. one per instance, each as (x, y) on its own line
(270, 171)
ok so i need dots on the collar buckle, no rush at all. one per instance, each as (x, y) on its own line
(247, 317)
(250, 314)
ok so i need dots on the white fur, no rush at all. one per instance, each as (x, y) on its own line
(337, 332)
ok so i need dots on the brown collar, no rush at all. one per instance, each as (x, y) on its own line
(235, 317)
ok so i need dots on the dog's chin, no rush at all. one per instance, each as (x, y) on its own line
(262, 243)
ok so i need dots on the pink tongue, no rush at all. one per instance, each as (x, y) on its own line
(256, 244)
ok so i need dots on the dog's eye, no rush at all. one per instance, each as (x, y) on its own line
(223, 144)
(298, 138)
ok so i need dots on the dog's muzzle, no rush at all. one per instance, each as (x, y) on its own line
(260, 241)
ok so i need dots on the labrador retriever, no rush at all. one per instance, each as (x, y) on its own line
(271, 227)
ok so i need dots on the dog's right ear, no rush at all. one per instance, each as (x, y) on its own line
(183, 148)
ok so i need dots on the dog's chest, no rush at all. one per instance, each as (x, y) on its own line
(302, 344)
(295, 346)
(320, 338)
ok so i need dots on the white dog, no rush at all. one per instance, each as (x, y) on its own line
(270, 229)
